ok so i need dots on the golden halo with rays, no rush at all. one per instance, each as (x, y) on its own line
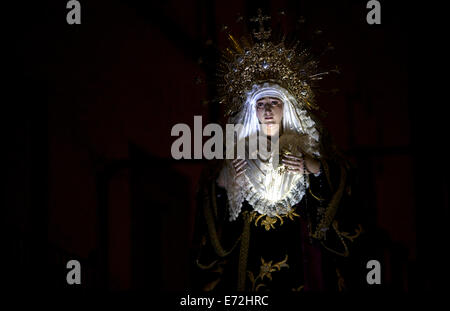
(248, 62)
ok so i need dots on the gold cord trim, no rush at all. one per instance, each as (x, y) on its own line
(220, 251)
(343, 235)
(243, 255)
(332, 208)
(314, 196)
(205, 267)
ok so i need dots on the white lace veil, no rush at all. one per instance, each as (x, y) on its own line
(294, 119)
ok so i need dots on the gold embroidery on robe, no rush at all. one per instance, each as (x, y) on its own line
(265, 271)
(269, 222)
(298, 289)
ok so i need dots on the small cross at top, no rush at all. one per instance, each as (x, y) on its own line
(262, 34)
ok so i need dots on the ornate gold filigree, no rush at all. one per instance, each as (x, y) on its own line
(267, 62)
(247, 63)
(265, 271)
(269, 222)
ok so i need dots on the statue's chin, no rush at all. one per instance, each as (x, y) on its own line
(269, 133)
(271, 129)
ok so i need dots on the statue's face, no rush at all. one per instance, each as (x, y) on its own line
(269, 111)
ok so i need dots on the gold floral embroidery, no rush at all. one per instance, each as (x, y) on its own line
(270, 222)
(265, 271)
(291, 214)
(298, 289)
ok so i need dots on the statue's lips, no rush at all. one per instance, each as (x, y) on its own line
(269, 120)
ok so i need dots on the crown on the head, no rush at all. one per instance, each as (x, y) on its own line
(247, 63)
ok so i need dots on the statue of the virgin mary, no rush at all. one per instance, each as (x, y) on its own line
(275, 219)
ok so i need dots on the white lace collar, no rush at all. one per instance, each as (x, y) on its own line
(270, 192)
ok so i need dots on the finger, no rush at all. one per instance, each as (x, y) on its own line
(237, 166)
(297, 167)
(241, 172)
(293, 169)
(241, 169)
(289, 156)
(297, 160)
(237, 161)
(293, 166)
(293, 157)
(241, 165)
(292, 162)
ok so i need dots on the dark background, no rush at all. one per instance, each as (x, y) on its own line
(89, 171)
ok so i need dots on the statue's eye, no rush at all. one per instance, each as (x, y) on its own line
(259, 105)
(274, 103)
